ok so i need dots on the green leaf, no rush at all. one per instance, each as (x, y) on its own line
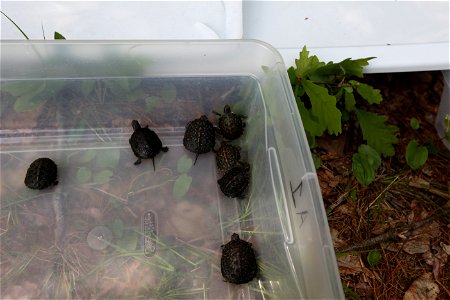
(349, 101)
(184, 163)
(291, 75)
(169, 92)
(129, 241)
(182, 185)
(372, 95)
(87, 86)
(323, 107)
(59, 36)
(108, 159)
(365, 164)
(117, 228)
(362, 171)
(354, 67)
(20, 88)
(152, 102)
(332, 72)
(17, 26)
(28, 94)
(134, 95)
(28, 103)
(103, 176)
(316, 160)
(306, 64)
(414, 123)
(87, 156)
(312, 126)
(416, 155)
(374, 257)
(372, 156)
(116, 86)
(83, 175)
(378, 135)
(133, 83)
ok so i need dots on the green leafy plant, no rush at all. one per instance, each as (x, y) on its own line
(447, 127)
(365, 164)
(374, 257)
(414, 123)
(58, 36)
(416, 155)
(183, 182)
(328, 94)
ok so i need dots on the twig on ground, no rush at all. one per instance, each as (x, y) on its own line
(393, 233)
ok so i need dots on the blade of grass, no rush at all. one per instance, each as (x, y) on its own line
(17, 26)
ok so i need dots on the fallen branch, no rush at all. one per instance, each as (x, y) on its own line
(404, 231)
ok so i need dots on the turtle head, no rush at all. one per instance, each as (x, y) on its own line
(235, 237)
(227, 109)
(135, 125)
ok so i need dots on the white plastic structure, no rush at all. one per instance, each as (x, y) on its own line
(402, 35)
(132, 20)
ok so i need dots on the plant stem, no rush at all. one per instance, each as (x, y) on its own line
(406, 230)
(23, 33)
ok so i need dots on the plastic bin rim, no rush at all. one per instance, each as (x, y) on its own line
(277, 55)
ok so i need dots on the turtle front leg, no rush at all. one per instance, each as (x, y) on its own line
(138, 162)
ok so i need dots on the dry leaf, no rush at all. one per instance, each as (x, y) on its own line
(327, 181)
(446, 248)
(352, 265)
(420, 244)
(349, 264)
(437, 258)
(337, 242)
(346, 209)
(424, 288)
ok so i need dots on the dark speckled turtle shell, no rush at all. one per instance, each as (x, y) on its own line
(41, 174)
(231, 125)
(235, 182)
(227, 156)
(199, 136)
(238, 261)
(145, 143)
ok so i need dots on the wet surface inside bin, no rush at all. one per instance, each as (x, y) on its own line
(111, 229)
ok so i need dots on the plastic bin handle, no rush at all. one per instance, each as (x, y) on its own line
(280, 196)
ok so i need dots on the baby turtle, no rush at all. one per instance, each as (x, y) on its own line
(238, 262)
(231, 125)
(235, 182)
(199, 136)
(227, 156)
(145, 143)
(41, 174)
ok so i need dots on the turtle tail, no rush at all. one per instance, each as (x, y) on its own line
(196, 158)
(153, 160)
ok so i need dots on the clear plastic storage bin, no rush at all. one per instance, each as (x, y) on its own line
(112, 229)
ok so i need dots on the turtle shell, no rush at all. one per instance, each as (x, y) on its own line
(199, 136)
(234, 183)
(231, 125)
(145, 143)
(227, 156)
(238, 262)
(41, 174)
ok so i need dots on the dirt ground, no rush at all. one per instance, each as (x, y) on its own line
(402, 218)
